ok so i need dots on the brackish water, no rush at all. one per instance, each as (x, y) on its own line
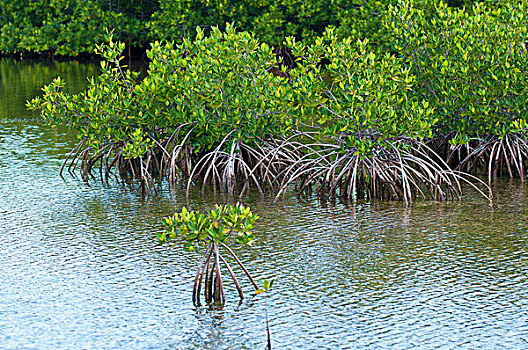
(80, 269)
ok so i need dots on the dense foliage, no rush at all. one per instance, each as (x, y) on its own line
(437, 87)
(272, 20)
(371, 122)
(70, 27)
(472, 67)
(61, 27)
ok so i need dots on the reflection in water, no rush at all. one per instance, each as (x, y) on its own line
(81, 269)
(23, 80)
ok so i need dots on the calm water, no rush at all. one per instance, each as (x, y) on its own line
(80, 268)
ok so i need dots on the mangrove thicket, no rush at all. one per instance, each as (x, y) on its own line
(435, 98)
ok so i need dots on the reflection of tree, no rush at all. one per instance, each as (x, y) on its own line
(22, 80)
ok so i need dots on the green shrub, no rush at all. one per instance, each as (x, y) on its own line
(370, 95)
(210, 101)
(212, 109)
(371, 124)
(220, 85)
(471, 66)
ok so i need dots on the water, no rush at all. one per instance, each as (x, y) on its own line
(80, 268)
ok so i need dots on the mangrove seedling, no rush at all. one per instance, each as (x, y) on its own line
(214, 230)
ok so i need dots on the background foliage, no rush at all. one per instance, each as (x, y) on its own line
(70, 27)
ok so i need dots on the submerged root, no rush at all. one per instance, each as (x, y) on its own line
(209, 274)
(232, 166)
(165, 160)
(110, 160)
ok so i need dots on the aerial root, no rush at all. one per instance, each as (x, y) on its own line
(497, 157)
(236, 165)
(402, 170)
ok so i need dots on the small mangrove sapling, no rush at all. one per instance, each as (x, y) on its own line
(214, 230)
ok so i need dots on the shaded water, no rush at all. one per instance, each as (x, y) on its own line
(80, 268)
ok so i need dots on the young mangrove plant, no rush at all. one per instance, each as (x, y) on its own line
(215, 231)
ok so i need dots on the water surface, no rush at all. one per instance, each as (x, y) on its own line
(80, 267)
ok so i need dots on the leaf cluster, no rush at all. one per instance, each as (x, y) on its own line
(369, 97)
(196, 229)
(219, 85)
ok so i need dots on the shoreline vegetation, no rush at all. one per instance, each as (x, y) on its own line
(415, 99)
(71, 29)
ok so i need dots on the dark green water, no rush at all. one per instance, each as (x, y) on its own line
(80, 268)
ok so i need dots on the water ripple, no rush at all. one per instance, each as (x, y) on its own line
(81, 269)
